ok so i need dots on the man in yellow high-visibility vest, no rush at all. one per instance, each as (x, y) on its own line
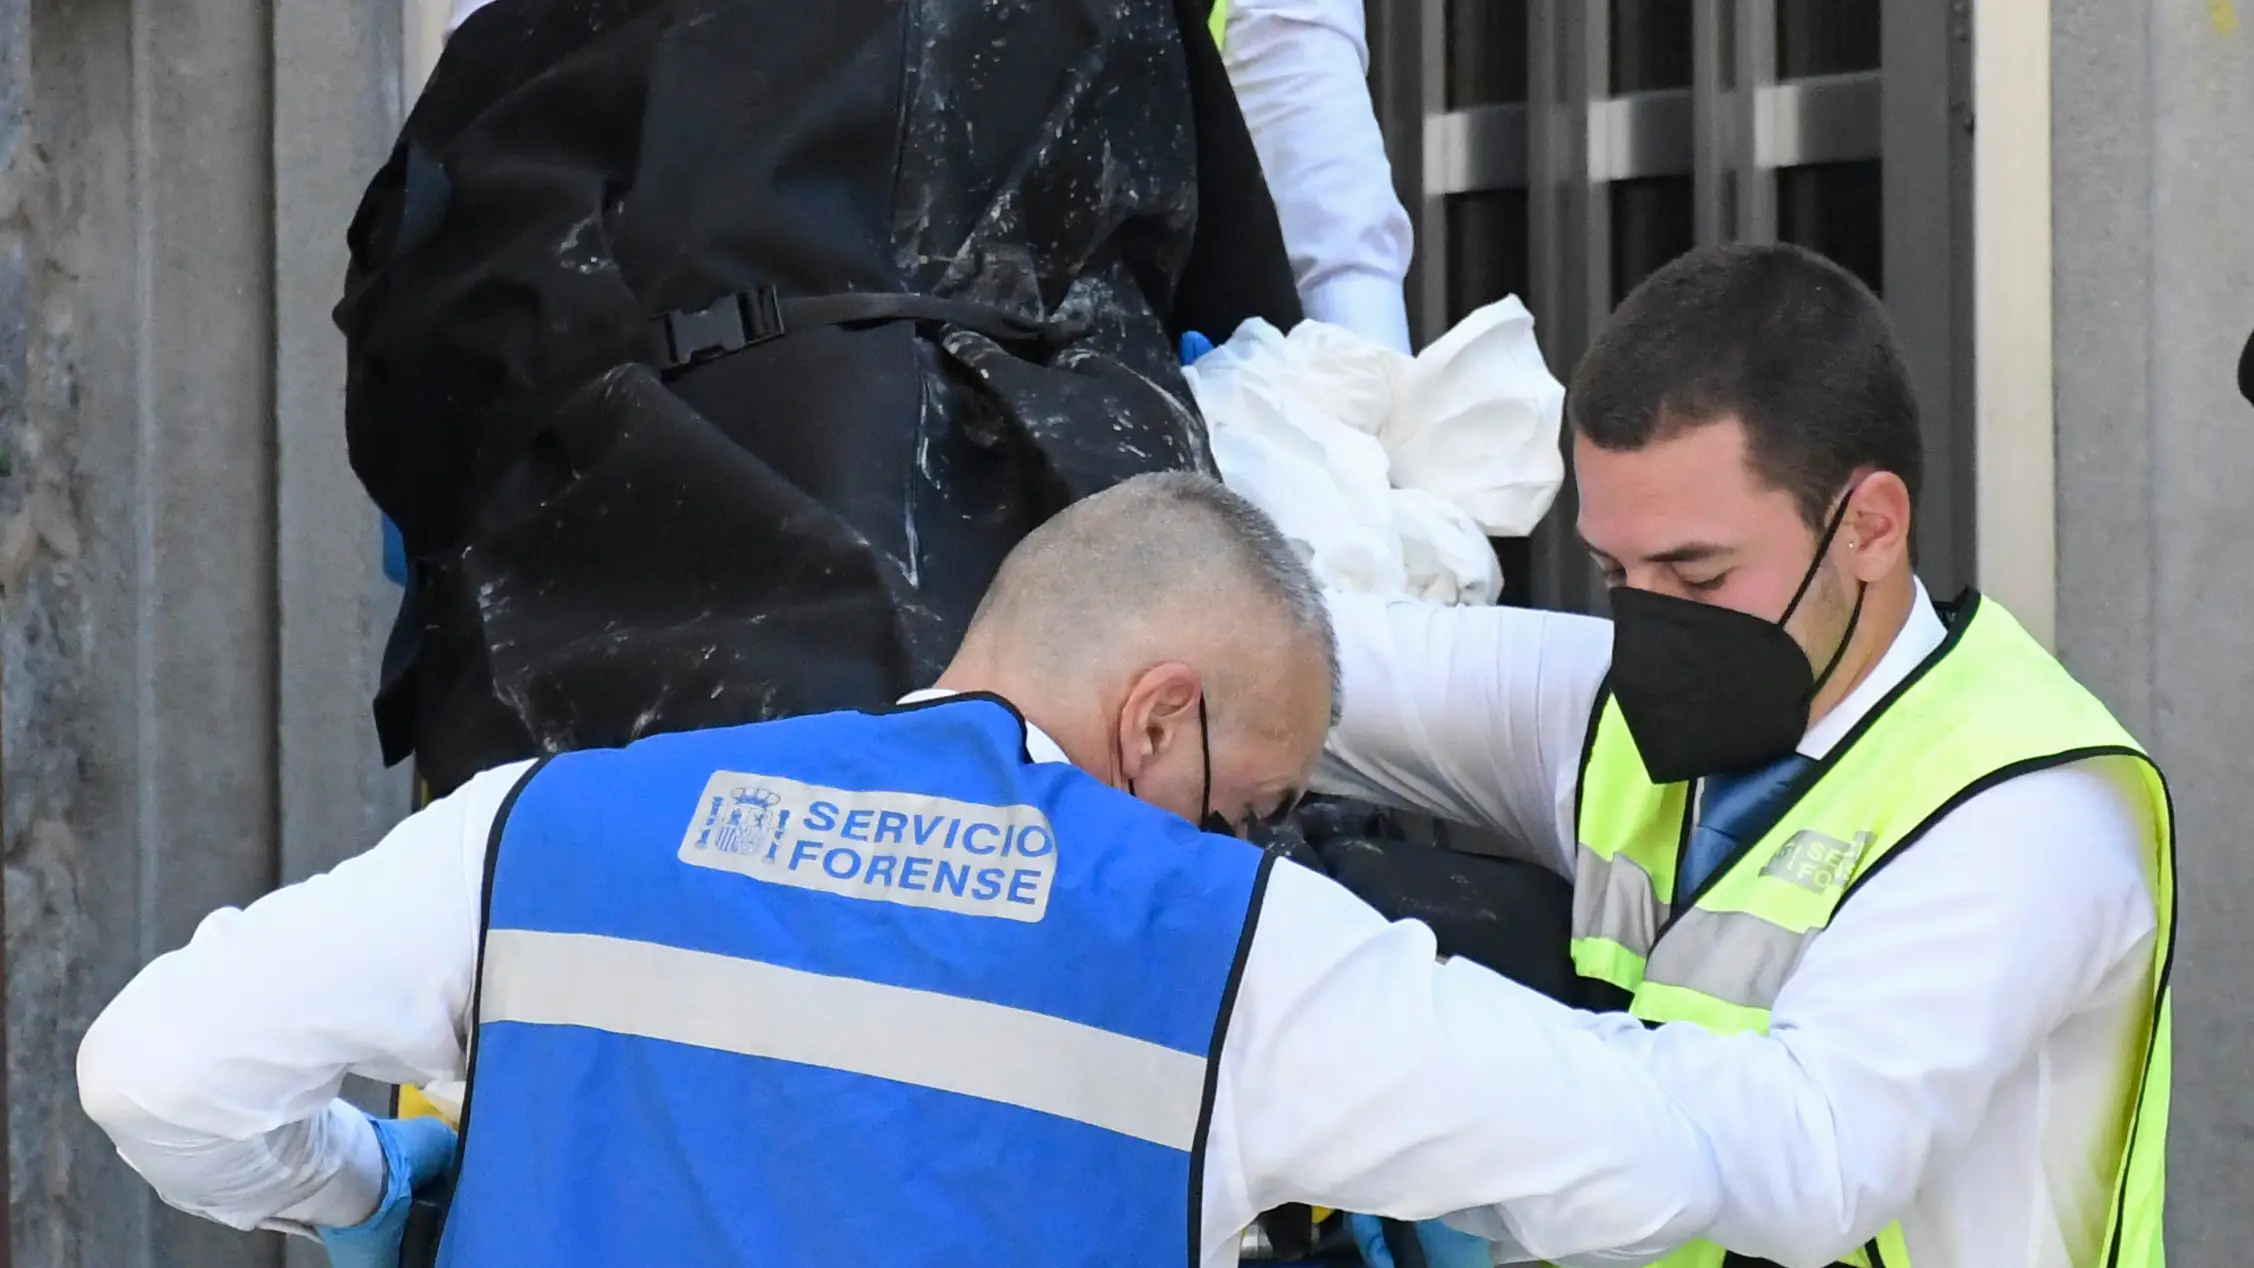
(1884, 897)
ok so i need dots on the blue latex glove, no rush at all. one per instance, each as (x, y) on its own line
(394, 553)
(1194, 345)
(1444, 1247)
(416, 1151)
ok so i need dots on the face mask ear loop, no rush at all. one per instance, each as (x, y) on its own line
(1823, 547)
(1205, 746)
(1840, 653)
(1121, 758)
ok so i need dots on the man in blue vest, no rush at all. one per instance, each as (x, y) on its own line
(958, 983)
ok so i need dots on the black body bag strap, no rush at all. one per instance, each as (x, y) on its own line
(688, 337)
(684, 338)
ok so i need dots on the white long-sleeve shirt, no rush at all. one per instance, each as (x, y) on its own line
(1955, 1048)
(1301, 72)
(1357, 1071)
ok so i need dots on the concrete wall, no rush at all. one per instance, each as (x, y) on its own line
(192, 601)
(2153, 185)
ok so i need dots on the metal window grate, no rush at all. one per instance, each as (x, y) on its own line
(1563, 149)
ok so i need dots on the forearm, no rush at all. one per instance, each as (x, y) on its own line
(324, 1170)
(1475, 714)
(216, 1070)
(1395, 1085)
(1932, 989)
(1815, 1154)
(1300, 71)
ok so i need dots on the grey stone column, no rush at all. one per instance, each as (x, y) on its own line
(190, 572)
(2153, 199)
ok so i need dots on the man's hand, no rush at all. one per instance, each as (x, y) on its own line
(1444, 1247)
(416, 1151)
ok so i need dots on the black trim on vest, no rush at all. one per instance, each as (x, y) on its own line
(1959, 614)
(1751, 835)
(2167, 958)
(2003, 774)
(426, 1219)
(1731, 1259)
(1588, 754)
(1024, 728)
(1691, 800)
(2152, 1036)
(1213, 1055)
(1594, 993)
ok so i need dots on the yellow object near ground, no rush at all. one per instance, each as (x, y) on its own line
(413, 1104)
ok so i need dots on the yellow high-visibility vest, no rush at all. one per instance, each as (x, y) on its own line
(1218, 22)
(1988, 705)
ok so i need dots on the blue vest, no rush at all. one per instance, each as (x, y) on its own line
(847, 989)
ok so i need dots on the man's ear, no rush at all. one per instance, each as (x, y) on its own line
(1151, 722)
(1875, 537)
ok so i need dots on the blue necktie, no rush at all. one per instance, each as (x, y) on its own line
(1734, 809)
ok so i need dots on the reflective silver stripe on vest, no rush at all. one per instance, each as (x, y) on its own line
(996, 1053)
(1614, 899)
(1735, 957)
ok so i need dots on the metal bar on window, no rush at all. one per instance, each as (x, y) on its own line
(1482, 148)
(1429, 305)
(1713, 124)
(1925, 129)
(1834, 119)
(1640, 135)
(1398, 88)
(1569, 216)
(1756, 71)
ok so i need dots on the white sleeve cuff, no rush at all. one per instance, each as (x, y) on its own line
(350, 1195)
(1372, 307)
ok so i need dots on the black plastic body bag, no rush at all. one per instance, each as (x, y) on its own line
(630, 502)
(607, 543)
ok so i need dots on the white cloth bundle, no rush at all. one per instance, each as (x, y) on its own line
(1390, 472)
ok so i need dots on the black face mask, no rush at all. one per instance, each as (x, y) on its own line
(1709, 690)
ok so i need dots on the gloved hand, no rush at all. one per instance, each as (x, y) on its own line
(394, 553)
(1444, 1247)
(1194, 345)
(416, 1151)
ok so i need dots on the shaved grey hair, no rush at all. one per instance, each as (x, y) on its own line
(1148, 548)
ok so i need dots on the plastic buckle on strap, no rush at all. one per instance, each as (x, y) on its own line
(731, 324)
